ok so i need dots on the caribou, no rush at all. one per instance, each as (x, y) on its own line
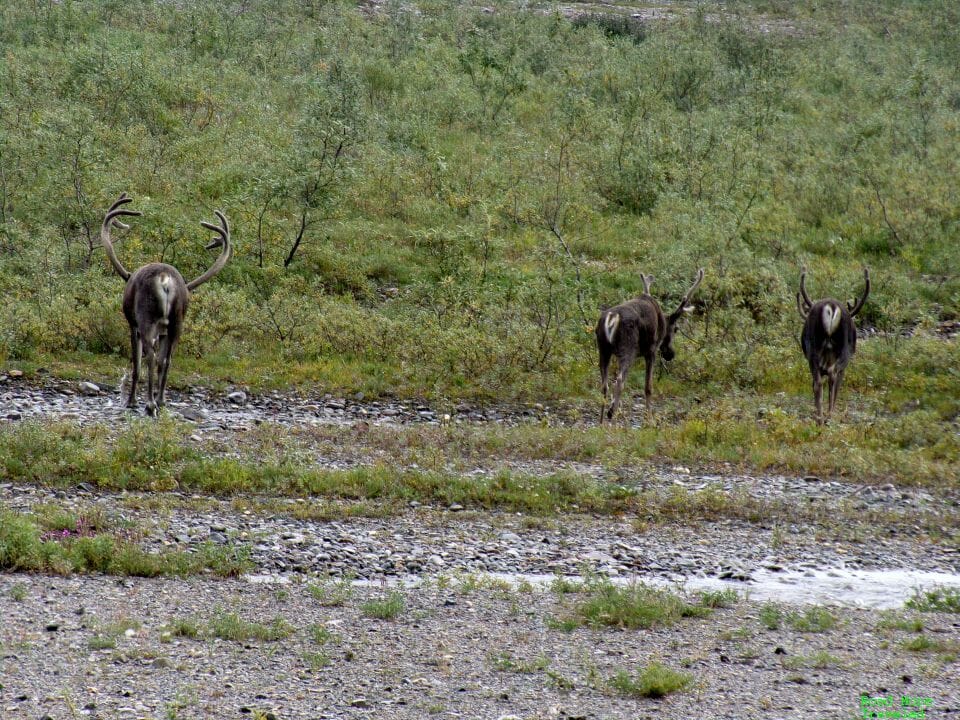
(637, 328)
(829, 340)
(155, 300)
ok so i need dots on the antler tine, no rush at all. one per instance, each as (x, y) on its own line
(808, 303)
(110, 220)
(866, 291)
(801, 308)
(693, 287)
(682, 307)
(647, 281)
(223, 230)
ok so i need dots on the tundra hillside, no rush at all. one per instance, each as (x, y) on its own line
(435, 200)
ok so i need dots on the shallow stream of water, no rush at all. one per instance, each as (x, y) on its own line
(874, 589)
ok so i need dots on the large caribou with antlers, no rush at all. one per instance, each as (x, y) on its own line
(155, 300)
(829, 340)
(635, 328)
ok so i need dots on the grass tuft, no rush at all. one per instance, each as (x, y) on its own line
(635, 606)
(230, 626)
(654, 681)
(385, 609)
(939, 599)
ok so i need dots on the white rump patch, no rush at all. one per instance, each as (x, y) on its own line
(610, 325)
(165, 292)
(831, 318)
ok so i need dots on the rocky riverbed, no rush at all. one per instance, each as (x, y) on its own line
(477, 634)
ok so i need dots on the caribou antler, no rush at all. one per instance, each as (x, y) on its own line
(683, 307)
(807, 302)
(223, 241)
(854, 309)
(111, 220)
(647, 281)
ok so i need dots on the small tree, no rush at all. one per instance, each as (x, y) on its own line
(331, 128)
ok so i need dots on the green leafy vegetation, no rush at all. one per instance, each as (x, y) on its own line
(436, 203)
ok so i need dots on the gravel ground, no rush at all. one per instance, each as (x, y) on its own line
(486, 653)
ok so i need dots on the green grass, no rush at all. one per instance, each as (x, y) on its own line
(274, 463)
(26, 547)
(102, 642)
(819, 660)
(892, 620)
(184, 627)
(812, 620)
(320, 634)
(332, 593)
(940, 599)
(771, 616)
(387, 608)
(106, 636)
(718, 598)
(316, 659)
(505, 662)
(635, 606)
(654, 681)
(230, 626)
(946, 649)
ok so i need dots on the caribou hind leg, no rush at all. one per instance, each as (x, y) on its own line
(136, 356)
(605, 356)
(624, 362)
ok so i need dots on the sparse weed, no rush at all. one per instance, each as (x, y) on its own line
(771, 616)
(384, 609)
(320, 634)
(654, 681)
(718, 598)
(633, 606)
(812, 620)
(504, 662)
(183, 627)
(818, 661)
(316, 659)
(333, 593)
(230, 626)
(892, 620)
(939, 599)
